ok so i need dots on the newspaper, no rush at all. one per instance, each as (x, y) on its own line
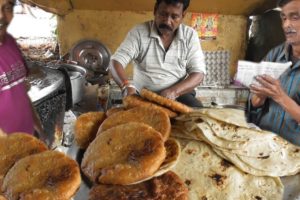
(247, 71)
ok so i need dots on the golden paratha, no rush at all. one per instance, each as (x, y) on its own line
(155, 118)
(166, 187)
(173, 152)
(132, 101)
(169, 103)
(114, 110)
(124, 154)
(16, 146)
(86, 127)
(47, 175)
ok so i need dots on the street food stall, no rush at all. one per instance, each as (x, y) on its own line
(170, 149)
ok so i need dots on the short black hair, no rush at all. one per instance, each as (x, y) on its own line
(281, 3)
(185, 3)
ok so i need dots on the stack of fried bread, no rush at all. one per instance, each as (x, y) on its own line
(131, 146)
(87, 124)
(28, 170)
(132, 154)
(151, 99)
(165, 187)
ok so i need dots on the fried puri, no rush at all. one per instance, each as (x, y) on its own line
(16, 146)
(172, 156)
(114, 110)
(166, 187)
(169, 103)
(124, 154)
(157, 119)
(86, 127)
(132, 101)
(47, 175)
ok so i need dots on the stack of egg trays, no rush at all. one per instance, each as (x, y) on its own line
(217, 68)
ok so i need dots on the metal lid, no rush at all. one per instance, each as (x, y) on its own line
(43, 81)
(92, 55)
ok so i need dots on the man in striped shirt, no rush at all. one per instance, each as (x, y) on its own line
(166, 55)
(275, 105)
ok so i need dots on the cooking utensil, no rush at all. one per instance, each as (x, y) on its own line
(92, 55)
(77, 76)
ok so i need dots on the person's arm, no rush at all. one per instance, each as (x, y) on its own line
(257, 100)
(195, 69)
(126, 52)
(271, 88)
(184, 86)
(120, 77)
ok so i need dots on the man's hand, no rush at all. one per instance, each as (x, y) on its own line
(270, 87)
(129, 91)
(169, 93)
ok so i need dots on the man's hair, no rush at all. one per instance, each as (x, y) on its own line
(185, 3)
(281, 3)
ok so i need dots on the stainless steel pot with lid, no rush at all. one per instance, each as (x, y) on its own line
(94, 57)
(77, 76)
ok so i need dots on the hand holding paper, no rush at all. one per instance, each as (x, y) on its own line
(247, 71)
(269, 87)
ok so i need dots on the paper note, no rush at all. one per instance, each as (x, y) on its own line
(247, 71)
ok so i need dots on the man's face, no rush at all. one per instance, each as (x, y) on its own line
(290, 15)
(168, 17)
(6, 15)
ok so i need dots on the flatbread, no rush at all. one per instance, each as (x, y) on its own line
(166, 187)
(258, 152)
(208, 176)
(47, 175)
(86, 127)
(132, 101)
(169, 103)
(16, 146)
(124, 154)
(155, 118)
(114, 110)
(173, 150)
(229, 115)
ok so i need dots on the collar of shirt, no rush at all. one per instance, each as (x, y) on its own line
(286, 55)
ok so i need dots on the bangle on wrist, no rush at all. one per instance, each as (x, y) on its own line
(124, 83)
(127, 86)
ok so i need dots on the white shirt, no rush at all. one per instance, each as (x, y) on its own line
(155, 68)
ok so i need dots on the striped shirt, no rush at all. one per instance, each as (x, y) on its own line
(154, 67)
(271, 116)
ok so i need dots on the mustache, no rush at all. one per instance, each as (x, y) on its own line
(165, 26)
(289, 30)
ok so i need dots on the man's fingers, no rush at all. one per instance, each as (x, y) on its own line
(266, 81)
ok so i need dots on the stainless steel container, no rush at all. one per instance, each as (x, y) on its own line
(48, 94)
(77, 76)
